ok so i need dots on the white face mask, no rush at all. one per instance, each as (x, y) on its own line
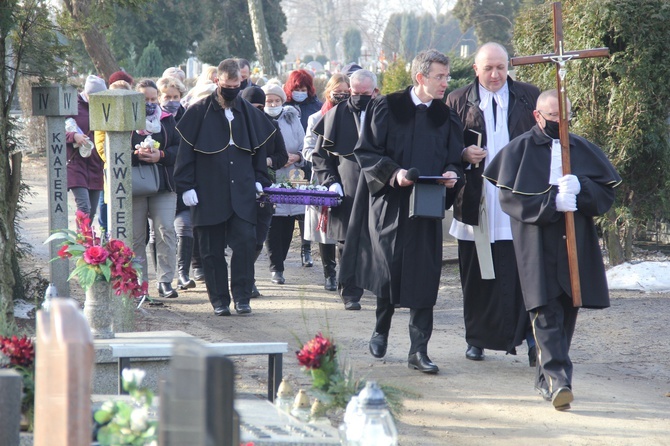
(299, 96)
(274, 111)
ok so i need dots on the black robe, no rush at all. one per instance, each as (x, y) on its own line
(521, 171)
(334, 161)
(386, 252)
(223, 174)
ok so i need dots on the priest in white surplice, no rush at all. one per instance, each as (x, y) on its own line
(494, 109)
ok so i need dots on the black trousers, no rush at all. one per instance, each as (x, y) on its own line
(279, 240)
(553, 327)
(263, 224)
(348, 293)
(420, 324)
(240, 235)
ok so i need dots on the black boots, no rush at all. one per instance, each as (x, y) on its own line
(306, 254)
(184, 254)
(165, 290)
(329, 263)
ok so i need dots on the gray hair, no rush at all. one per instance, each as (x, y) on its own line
(360, 75)
(171, 82)
(423, 61)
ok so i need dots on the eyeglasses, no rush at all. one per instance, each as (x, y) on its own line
(440, 77)
(553, 115)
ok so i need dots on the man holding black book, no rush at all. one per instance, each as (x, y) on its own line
(396, 257)
(494, 109)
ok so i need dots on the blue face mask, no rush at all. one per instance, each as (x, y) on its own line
(171, 107)
(150, 108)
(299, 96)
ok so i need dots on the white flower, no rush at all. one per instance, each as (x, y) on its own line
(138, 419)
(133, 376)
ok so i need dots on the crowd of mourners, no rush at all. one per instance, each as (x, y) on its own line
(397, 162)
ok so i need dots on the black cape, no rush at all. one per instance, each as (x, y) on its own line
(223, 174)
(386, 252)
(521, 171)
(334, 161)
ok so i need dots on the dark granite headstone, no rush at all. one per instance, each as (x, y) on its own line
(197, 399)
(11, 384)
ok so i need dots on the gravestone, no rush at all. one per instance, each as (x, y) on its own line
(197, 400)
(55, 102)
(119, 112)
(11, 384)
(63, 370)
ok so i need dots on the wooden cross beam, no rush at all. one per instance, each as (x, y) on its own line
(560, 58)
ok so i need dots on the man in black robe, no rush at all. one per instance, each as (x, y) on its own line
(221, 165)
(535, 194)
(499, 109)
(397, 258)
(336, 167)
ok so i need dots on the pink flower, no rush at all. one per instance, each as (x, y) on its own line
(312, 353)
(95, 255)
(20, 351)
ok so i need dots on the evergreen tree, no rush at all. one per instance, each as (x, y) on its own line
(396, 77)
(151, 62)
(352, 42)
(493, 20)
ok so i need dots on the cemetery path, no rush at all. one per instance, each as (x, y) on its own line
(621, 355)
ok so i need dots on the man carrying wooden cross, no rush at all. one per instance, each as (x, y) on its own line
(536, 194)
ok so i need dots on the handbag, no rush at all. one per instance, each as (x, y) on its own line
(145, 180)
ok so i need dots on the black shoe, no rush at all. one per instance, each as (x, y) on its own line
(222, 310)
(254, 292)
(378, 344)
(562, 398)
(421, 362)
(306, 257)
(352, 305)
(198, 274)
(278, 277)
(185, 283)
(330, 284)
(242, 308)
(474, 353)
(532, 356)
(166, 290)
(544, 393)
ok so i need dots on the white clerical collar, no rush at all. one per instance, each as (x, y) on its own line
(501, 96)
(416, 99)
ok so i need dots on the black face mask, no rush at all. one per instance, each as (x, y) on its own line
(229, 93)
(360, 101)
(150, 108)
(551, 129)
(340, 97)
(244, 84)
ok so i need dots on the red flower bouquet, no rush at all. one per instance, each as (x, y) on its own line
(100, 258)
(20, 353)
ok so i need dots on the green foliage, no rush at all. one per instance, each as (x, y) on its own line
(620, 103)
(406, 34)
(352, 42)
(322, 59)
(307, 58)
(396, 77)
(493, 20)
(212, 49)
(461, 72)
(151, 62)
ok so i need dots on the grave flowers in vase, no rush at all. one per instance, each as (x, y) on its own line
(18, 353)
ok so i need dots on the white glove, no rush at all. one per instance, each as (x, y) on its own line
(190, 197)
(259, 189)
(336, 187)
(569, 184)
(566, 202)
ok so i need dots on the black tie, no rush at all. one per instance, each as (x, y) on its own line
(495, 105)
(422, 107)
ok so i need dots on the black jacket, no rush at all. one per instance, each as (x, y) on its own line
(169, 144)
(465, 102)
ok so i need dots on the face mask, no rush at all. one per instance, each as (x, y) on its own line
(339, 97)
(150, 108)
(360, 101)
(229, 93)
(299, 96)
(171, 107)
(551, 129)
(244, 84)
(274, 111)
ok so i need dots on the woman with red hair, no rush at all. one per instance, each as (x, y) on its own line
(301, 94)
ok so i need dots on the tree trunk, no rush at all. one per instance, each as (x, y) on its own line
(94, 41)
(612, 239)
(261, 38)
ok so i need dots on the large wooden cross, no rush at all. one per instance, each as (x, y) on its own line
(559, 58)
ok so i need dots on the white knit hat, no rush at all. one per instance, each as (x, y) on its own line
(94, 84)
(275, 90)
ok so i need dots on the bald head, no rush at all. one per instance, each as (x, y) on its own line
(491, 61)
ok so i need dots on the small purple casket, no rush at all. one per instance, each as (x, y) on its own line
(277, 195)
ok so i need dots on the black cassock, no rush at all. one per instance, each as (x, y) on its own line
(521, 171)
(385, 251)
(223, 174)
(334, 161)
